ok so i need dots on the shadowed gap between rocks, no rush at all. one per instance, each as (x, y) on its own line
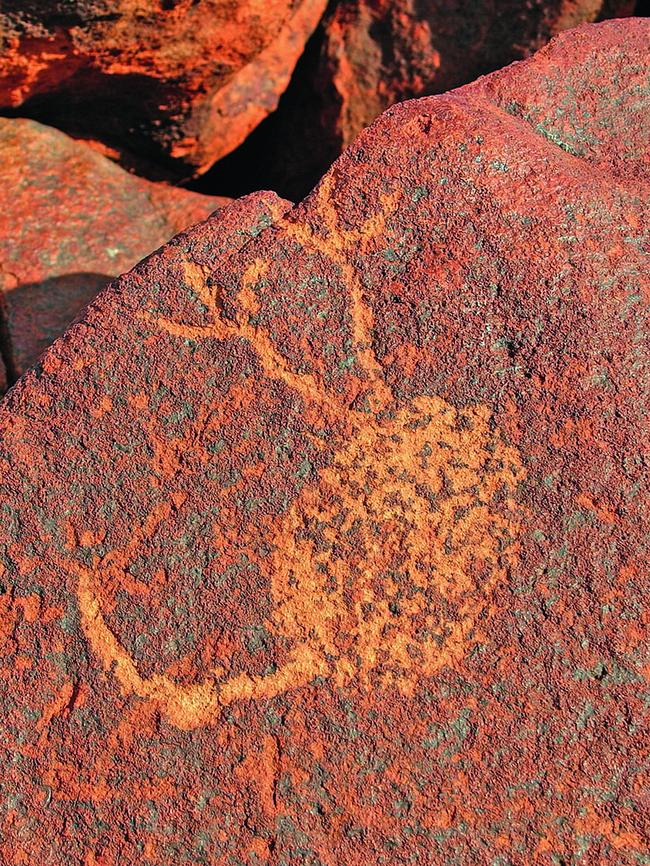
(89, 112)
(294, 146)
(6, 354)
(280, 154)
(33, 315)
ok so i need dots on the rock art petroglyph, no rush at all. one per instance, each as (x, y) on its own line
(368, 562)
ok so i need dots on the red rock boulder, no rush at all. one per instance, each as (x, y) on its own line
(70, 221)
(324, 532)
(182, 80)
(369, 54)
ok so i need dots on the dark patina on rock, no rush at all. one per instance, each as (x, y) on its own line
(324, 532)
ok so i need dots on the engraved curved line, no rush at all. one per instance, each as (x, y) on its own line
(190, 706)
(334, 247)
(194, 705)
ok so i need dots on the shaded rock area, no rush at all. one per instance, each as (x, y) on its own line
(71, 220)
(181, 82)
(367, 55)
(351, 566)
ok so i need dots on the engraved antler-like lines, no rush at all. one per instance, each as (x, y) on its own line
(398, 528)
(336, 245)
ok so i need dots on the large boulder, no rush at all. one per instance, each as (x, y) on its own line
(324, 531)
(180, 80)
(70, 221)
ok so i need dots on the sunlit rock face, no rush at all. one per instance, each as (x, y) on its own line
(377, 54)
(71, 220)
(326, 527)
(182, 81)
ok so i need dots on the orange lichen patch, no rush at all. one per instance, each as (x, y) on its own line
(30, 606)
(601, 825)
(402, 521)
(60, 702)
(259, 848)
(88, 539)
(602, 512)
(105, 405)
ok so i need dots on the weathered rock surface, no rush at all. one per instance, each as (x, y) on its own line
(71, 221)
(182, 79)
(369, 54)
(324, 532)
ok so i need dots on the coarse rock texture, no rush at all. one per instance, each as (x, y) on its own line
(71, 221)
(368, 54)
(182, 80)
(325, 532)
